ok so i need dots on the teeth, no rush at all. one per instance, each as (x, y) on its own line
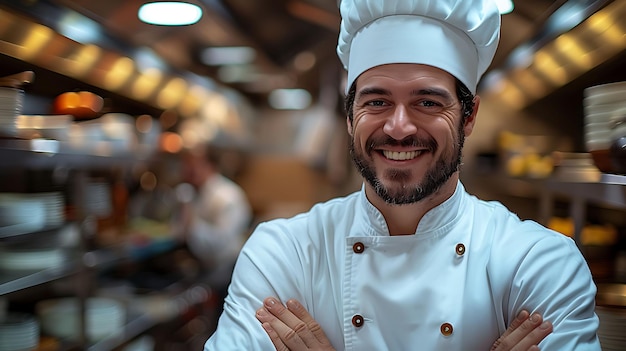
(401, 156)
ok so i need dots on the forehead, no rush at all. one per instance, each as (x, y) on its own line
(406, 73)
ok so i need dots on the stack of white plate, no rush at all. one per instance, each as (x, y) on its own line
(61, 318)
(11, 101)
(31, 259)
(54, 207)
(19, 332)
(603, 109)
(97, 198)
(48, 126)
(20, 214)
(612, 327)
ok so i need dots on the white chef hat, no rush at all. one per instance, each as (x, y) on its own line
(458, 36)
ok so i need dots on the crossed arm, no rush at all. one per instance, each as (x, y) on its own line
(291, 328)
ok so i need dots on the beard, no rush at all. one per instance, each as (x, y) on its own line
(402, 192)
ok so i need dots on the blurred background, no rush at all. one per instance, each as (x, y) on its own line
(97, 105)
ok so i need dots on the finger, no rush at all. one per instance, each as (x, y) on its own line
(314, 333)
(521, 317)
(525, 335)
(292, 331)
(278, 343)
(517, 322)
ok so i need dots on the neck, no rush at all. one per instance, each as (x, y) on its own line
(404, 219)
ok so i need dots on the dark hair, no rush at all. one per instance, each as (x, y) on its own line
(464, 95)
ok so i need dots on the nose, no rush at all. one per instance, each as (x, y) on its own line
(399, 125)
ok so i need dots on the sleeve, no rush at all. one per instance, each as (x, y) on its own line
(553, 279)
(259, 272)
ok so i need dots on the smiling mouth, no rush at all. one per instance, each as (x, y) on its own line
(401, 155)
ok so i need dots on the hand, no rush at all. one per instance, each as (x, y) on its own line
(291, 328)
(524, 333)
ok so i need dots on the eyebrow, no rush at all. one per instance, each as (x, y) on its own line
(433, 91)
(417, 92)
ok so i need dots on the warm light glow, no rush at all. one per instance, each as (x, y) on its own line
(172, 93)
(191, 101)
(119, 73)
(170, 13)
(144, 123)
(146, 83)
(171, 142)
(512, 95)
(84, 60)
(215, 108)
(605, 26)
(530, 83)
(572, 49)
(35, 41)
(545, 64)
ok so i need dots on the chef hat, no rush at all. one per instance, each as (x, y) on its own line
(458, 36)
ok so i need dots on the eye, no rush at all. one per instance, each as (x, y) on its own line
(375, 103)
(429, 103)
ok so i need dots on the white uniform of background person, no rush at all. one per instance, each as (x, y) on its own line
(217, 219)
(222, 218)
(470, 267)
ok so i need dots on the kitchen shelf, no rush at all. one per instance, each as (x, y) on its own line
(14, 281)
(141, 321)
(48, 153)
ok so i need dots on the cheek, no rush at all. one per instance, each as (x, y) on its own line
(446, 132)
(362, 128)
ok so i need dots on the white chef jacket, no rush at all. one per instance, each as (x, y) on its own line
(456, 284)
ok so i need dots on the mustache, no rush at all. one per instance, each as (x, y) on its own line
(410, 141)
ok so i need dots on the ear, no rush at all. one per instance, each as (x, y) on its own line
(349, 125)
(471, 120)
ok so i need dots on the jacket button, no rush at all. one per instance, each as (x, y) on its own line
(358, 248)
(357, 320)
(446, 329)
(460, 249)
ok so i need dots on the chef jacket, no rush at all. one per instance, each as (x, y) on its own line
(456, 284)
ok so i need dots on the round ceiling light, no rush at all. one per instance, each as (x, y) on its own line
(170, 13)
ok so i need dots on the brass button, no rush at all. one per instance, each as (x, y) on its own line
(460, 249)
(357, 320)
(446, 329)
(358, 248)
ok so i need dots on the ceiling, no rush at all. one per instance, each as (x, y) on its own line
(294, 39)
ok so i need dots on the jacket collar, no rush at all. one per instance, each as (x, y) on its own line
(436, 221)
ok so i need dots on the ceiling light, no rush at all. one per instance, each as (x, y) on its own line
(170, 13)
(289, 99)
(228, 55)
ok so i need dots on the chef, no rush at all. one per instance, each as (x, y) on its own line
(411, 261)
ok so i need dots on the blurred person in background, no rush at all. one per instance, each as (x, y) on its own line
(215, 214)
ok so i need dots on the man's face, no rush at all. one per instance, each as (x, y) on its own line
(406, 134)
